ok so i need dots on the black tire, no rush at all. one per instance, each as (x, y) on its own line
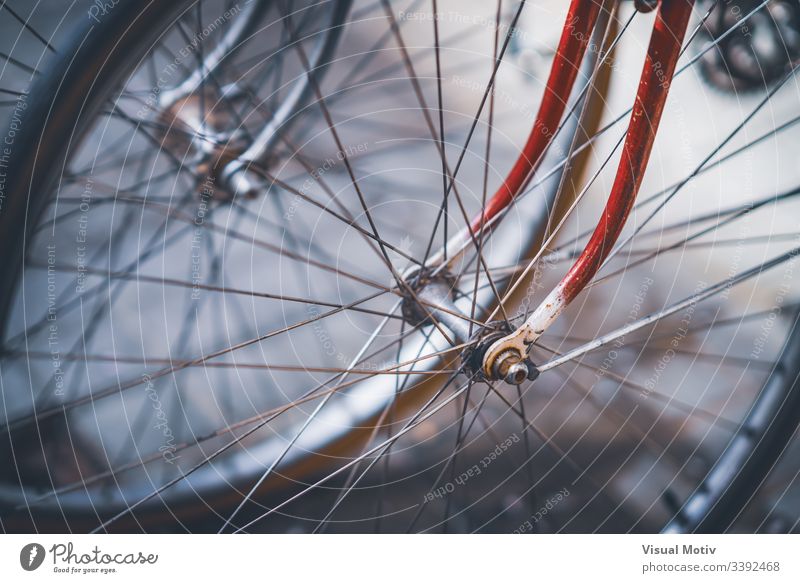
(69, 92)
(752, 453)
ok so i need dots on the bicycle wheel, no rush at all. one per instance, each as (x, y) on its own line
(216, 326)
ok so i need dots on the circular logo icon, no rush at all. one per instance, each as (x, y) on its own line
(31, 556)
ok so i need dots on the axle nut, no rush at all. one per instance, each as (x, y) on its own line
(513, 368)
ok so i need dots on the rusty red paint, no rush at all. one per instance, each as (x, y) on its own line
(580, 22)
(662, 56)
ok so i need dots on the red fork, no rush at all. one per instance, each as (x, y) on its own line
(505, 357)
